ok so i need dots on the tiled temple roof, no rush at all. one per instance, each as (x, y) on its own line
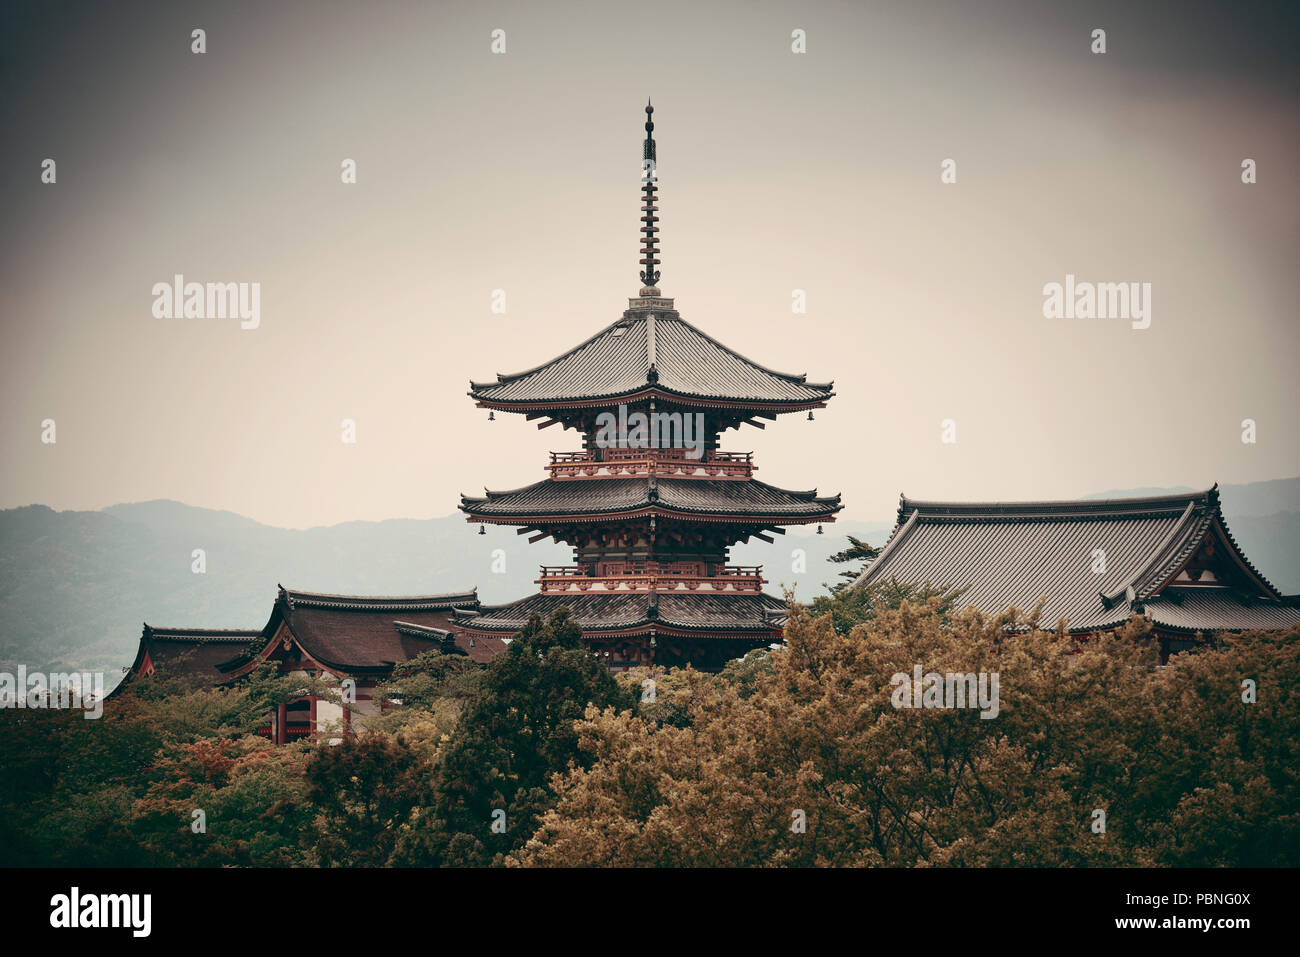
(1011, 554)
(596, 613)
(480, 650)
(645, 349)
(354, 632)
(193, 652)
(379, 603)
(1195, 609)
(344, 632)
(603, 496)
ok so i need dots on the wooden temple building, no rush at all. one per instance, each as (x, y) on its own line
(650, 518)
(335, 637)
(1096, 562)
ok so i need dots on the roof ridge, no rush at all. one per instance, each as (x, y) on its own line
(307, 598)
(1096, 506)
(898, 534)
(1153, 560)
(208, 634)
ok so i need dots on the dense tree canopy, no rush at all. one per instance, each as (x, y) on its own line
(815, 766)
(795, 756)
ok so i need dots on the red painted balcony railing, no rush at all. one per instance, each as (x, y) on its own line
(651, 576)
(673, 463)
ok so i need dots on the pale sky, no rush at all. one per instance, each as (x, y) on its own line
(778, 171)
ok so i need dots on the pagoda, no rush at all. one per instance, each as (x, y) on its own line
(651, 502)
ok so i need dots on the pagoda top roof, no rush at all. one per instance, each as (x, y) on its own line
(635, 494)
(1005, 554)
(650, 348)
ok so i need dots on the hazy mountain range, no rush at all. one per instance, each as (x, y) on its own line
(75, 587)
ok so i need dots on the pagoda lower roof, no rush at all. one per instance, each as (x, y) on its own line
(742, 614)
(560, 499)
(650, 346)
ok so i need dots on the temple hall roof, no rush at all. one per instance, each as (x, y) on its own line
(1170, 557)
(380, 603)
(198, 652)
(353, 632)
(1194, 609)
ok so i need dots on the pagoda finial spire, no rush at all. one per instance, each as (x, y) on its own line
(649, 229)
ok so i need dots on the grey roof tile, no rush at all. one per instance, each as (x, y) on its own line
(600, 496)
(1007, 555)
(380, 603)
(1203, 609)
(617, 360)
(192, 651)
(610, 612)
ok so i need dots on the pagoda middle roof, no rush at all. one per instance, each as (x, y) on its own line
(644, 350)
(602, 496)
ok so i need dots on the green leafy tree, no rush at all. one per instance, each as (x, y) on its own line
(850, 607)
(220, 802)
(816, 765)
(858, 551)
(364, 792)
(512, 738)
